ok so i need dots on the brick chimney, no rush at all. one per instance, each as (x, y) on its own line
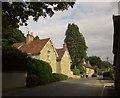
(32, 36)
(64, 46)
(29, 38)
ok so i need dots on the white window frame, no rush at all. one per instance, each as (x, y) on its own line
(48, 55)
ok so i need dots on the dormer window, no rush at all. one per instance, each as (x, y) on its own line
(48, 55)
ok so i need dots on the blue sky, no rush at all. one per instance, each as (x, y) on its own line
(94, 20)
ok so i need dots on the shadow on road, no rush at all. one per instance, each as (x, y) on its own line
(62, 88)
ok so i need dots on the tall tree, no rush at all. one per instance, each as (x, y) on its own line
(36, 38)
(76, 44)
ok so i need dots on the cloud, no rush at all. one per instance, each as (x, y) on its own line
(94, 20)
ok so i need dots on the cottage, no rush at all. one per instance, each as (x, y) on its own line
(89, 69)
(39, 49)
(64, 61)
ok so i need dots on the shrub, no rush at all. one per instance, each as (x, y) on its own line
(106, 74)
(13, 59)
(59, 77)
(82, 69)
(32, 80)
(39, 73)
(110, 74)
(76, 72)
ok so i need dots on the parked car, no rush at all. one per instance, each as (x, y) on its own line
(94, 75)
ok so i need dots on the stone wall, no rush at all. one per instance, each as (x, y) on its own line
(12, 80)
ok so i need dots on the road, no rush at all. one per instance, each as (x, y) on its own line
(72, 87)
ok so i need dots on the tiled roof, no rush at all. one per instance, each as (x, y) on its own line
(60, 53)
(34, 47)
(88, 65)
(18, 45)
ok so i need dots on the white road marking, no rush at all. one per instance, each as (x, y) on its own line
(102, 90)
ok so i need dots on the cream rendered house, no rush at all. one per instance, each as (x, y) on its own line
(39, 49)
(89, 69)
(64, 61)
(43, 49)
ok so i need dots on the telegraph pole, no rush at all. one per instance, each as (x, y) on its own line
(107, 58)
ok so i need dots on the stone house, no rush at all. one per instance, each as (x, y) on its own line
(64, 61)
(89, 69)
(42, 49)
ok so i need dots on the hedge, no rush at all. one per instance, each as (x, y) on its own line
(110, 74)
(39, 73)
(13, 59)
(76, 72)
(59, 77)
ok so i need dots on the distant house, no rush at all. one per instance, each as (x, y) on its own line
(39, 49)
(89, 69)
(64, 61)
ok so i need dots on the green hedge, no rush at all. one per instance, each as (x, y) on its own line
(76, 72)
(59, 77)
(110, 74)
(39, 73)
(13, 59)
(106, 74)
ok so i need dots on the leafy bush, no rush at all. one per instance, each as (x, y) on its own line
(82, 69)
(14, 59)
(32, 80)
(106, 74)
(59, 77)
(110, 74)
(39, 73)
(76, 72)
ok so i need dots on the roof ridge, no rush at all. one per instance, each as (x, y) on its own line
(45, 38)
(58, 48)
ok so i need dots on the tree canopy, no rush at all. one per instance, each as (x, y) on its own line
(17, 13)
(95, 61)
(106, 64)
(11, 36)
(36, 38)
(76, 43)
(99, 65)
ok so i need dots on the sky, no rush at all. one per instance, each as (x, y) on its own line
(94, 20)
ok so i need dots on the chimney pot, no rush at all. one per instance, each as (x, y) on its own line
(31, 33)
(64, 46)
(28, 32)
(29, 37)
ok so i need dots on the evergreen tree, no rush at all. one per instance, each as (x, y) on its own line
(76, 44)
(36, 38)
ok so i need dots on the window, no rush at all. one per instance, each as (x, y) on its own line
(48, 55)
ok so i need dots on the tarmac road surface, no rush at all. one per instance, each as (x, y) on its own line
(71, 87)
